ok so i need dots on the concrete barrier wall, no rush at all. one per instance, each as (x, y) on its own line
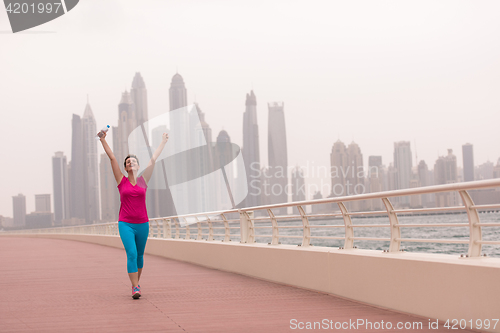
(434, 286)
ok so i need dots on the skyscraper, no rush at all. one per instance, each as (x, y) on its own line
(177, 93)
(84, 193)
(37, 220)
(19, 209)
(423, 173)
(42, 203)
(468, 162)
(127, 122)
(139, 96)
(201, 136)
(496, 170)
(403, 166)
(266, 188)
(318, 208)
(298, 187)
(415, 200)
(91, 184)
(374, 164)
(484, 171)
(355, 174)
(339, 162)
(250, 151)
(445, 172)
(392, 180)
(424, 179)
(42, 217)
(277, 156)
(180, 140)
(375, 180)
(77, 170)
(224, 153)
(203, 130)
(60, 187)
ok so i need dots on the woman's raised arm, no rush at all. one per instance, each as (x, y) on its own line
(151, 165)
(114, 163)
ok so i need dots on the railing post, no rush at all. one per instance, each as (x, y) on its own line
(306, 231)
(246, 227)
(210, 229)
(227, 231)
(177, 229)
(349, 230)
(167, 231)
(198, 223)
(159, 231)
(153, 227)
(188, 231)
(474, 230)
(395, 243)
(276, 234)
(200, 236)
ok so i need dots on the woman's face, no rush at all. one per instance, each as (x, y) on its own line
(131, 164)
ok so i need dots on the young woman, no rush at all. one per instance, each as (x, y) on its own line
(133, 219)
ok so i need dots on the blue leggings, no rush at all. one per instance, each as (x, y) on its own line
(134, 237)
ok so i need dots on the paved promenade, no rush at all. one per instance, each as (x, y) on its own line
(53, 285)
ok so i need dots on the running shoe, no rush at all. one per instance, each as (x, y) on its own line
(136, 292)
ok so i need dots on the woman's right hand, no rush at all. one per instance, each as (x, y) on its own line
(103, 135)
(164, 137)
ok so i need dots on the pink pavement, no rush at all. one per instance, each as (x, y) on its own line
(51, 285)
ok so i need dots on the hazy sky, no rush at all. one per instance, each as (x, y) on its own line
(374, 72)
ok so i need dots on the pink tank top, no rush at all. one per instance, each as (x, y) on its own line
(133, 201)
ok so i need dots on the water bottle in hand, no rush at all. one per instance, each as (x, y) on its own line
(101, 133)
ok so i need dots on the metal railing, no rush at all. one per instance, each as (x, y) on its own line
(241, 224)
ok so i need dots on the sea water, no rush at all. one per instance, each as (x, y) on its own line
(428, 232)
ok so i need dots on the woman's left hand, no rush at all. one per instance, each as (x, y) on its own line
(165, 137)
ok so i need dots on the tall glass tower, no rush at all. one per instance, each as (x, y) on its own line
(91, 185)
(403, 165)
(277, 155)
(60, 187)
(179, 142)
(139, 96)
(468, 161)
(250, 151)
(77, 191)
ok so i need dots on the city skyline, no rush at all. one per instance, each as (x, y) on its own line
(365, 72)
(398, 174)
(82, 126)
